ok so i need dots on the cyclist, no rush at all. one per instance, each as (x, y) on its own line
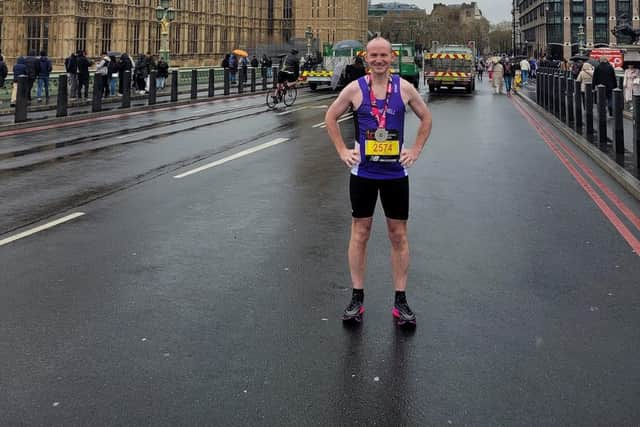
(289, 73)
(379, 164)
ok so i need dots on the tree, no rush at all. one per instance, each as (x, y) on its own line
(500, 37)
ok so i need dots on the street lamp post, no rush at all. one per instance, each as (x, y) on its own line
(164, 15)
(308, 35)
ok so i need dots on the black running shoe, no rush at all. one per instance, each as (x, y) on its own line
(353, 312)
(403, 314)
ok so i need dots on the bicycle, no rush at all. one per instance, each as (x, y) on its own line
(283, 93)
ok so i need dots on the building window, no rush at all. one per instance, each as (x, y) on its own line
(175, 39)
(81, 34)
(601, 21)
(134, 37)
(193, 39)
(106, 36)
(0, 33)
(37, 34)
(154, 37)
(208, 39)
(623, 6)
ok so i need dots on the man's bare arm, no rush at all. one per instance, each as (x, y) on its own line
(338, 108)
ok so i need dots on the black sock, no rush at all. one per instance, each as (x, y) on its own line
(401, 296)
(359, 294)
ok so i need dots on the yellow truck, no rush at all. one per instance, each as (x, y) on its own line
(453, 68)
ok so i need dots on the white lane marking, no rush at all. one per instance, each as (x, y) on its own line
(290, 111)
(342, 118)
(122, 137)
(40, 228)
(233, 157)
(317, 106)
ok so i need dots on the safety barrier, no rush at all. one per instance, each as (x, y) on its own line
(561, 96)
(194, 79)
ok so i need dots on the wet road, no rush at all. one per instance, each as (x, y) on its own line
(215, 298)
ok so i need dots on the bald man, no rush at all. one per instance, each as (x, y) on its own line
(379, 163)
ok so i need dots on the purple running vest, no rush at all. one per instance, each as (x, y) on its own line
(363, 120)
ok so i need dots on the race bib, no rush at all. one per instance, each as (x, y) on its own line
(382, 145)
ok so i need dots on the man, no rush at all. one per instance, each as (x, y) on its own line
(43, 78)
(524, 70)
(289, 72)
(605, 75)
(32, 62)
(379, 163)
(102, 73)
(71, 66)
(83, 73)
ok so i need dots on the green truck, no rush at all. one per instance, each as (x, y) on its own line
(406, 63)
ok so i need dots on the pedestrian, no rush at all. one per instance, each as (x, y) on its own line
(244, 65)
(585, 76)
(32, 62)
(479, 70)
(254, 62)
(225, 61)
(533, 67)
(631, 83)
(498, 77)
(19, 69)
(507, 74)
(151, 66)
(379, 162)
(525, 67)
(113, 68)
(233, 68)
(266, 65)
(604, 74)
(45, 68)
(564, 65)
(102, 74)
(83, 73)
(163, 73)
(71, 66)
(140, 73)
(125, 66)
(490, 65)
(4, 71)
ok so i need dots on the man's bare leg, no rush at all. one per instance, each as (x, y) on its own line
(397, 230)
(360, 232)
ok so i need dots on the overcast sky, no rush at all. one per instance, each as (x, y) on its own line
(494, 10)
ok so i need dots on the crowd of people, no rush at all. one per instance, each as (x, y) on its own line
(502, 72)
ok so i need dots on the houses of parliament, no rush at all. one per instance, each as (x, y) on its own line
(202, 32)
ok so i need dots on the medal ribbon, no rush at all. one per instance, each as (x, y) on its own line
(381, 117)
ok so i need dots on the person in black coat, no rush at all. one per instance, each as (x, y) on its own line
(32, 62)
(123, 66)
(163, 73)
(605, 75)
(4, 71)
(71, 66)
(83, 73)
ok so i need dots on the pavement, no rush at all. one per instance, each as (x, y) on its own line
(621, 167)
(215, 298)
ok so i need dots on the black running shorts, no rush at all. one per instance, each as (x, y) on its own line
(394, 195)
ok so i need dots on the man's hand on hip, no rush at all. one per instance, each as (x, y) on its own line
(409, 156)
(350, 157)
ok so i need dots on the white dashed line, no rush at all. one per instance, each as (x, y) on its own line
(342, 119)
(40, 228)
(290, 111)
(233, 157)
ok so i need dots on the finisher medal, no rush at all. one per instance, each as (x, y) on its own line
(381, 135)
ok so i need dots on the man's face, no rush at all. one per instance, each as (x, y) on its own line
(379, 56)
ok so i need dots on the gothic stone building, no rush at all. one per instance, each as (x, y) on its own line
(204, 30)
